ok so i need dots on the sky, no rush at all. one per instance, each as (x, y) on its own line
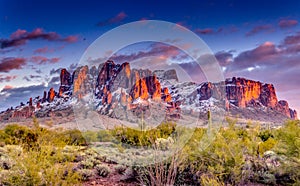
(259, 40)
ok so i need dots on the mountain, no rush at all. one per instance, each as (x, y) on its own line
(117, 91)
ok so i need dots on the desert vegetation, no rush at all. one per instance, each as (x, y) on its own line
(235, 156)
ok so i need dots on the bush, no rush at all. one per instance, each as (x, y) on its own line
(103, 170)
(137, 137)
(20, 135)
(86, 174)
(74, 137)
(120, 169)
(288, 138)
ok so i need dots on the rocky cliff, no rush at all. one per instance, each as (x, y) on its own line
(244, 93)
(117, 86)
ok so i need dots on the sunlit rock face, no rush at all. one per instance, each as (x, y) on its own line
(80, 82)
(245, 93)
(114, 86)
(51, 95)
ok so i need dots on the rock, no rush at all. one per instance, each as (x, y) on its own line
(51, 95)
(30, 102)
(44, 97)
(65, 83)
(268, 96)
(293, 114)
(244, 93)
(81, 84)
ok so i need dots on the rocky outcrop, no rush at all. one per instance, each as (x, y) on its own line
(117, 85)
(51, 95)
(284, 108)
(66, 82)
(81, 85)
(244, 93)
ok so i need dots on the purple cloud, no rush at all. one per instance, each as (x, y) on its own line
(205, 31)
(40, 60)
(287, 23)
(20, 37)
(11, 63)
(116, 19)
(259, 29)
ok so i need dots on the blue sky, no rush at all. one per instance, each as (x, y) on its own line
(254, 39)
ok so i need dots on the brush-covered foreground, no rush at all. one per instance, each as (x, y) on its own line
(235, 156)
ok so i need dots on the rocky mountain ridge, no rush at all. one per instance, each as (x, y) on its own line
(116, 87)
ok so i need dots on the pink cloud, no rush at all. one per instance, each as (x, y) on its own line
(71, 39)
(286, 23)
(10, 63)
(43, 50)
(160, 50)
(116, 19)
(20, 37)
(204, 31)
(7, 87)
(259, 29)
(40, 60)
(17, 34)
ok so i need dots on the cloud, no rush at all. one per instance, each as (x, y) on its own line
(292, 39)
(204, 31)
(224, 58)
(209, 31)
(11, 63)
(40, 60)
(55, 80)
(26, 78)
(259, 29)
(287, 23)
(6, 78)
(72, 67)
(70, 39)
(55, 71)
(7, 87)
(114, 20)
(43, 50)
(21, 37)
(155, 49)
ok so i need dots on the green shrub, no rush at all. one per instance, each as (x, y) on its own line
(137, 137)
(288, 138)
(74, 137)
(20, 135)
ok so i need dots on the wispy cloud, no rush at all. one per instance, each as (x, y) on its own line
(43, 50)
(204, 31)
(21, 37)
(267, 28)
(40, 60)
(113, 20)
(292, 39)
(11, 63)
(287, 23)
